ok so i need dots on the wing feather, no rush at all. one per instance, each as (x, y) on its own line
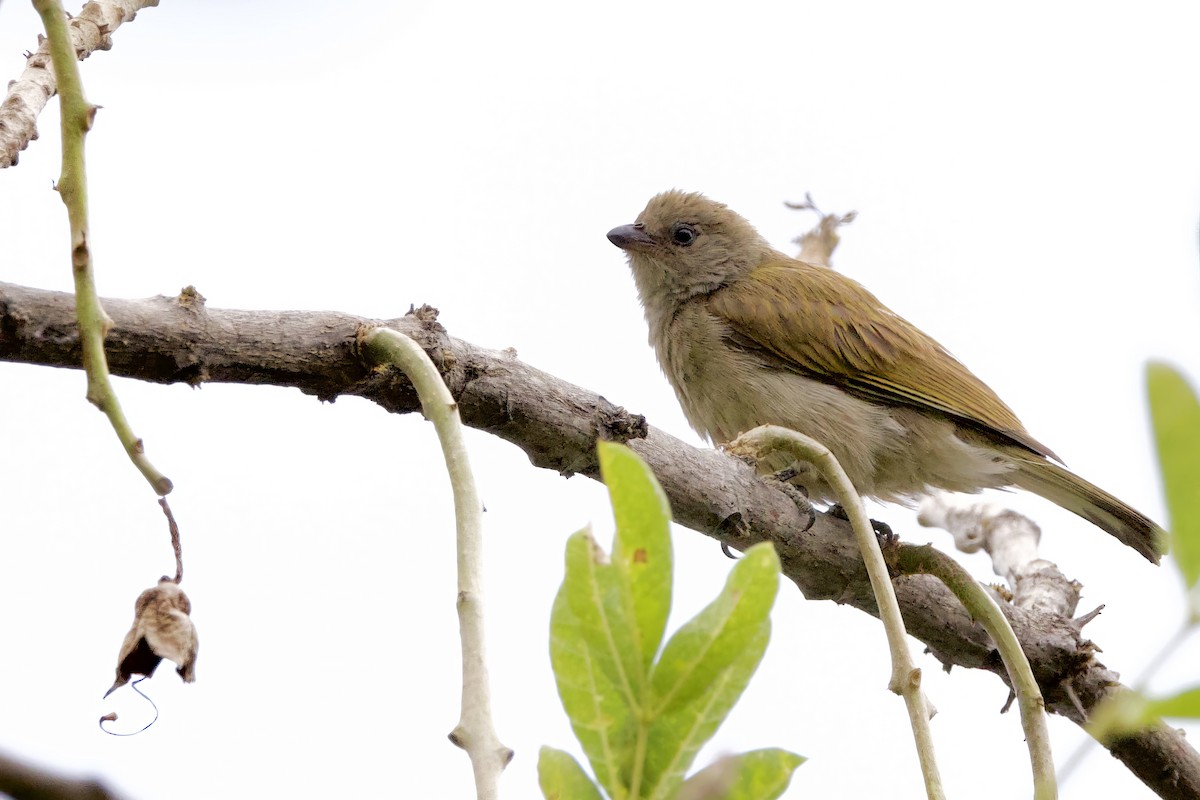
(800, 314)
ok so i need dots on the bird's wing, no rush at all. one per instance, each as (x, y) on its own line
(800, 314)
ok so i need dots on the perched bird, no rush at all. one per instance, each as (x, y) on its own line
(749, 336)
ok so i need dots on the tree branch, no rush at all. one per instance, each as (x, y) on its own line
(23, 781)
(178, 339)
(90, 30)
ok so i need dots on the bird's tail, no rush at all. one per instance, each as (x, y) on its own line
(1064, 488)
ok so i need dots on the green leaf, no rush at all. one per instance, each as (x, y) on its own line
(599, 596)
(640, 721)
(677, 735)
(757, 775)
(1176, 416)
(1128, 712)
(598, 712)
(1120, 713)
(642, 546)
(764, 774)
(561, 777)
(705, 667)
(712, 639)
(1184, 705)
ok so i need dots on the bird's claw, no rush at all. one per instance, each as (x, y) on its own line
(782, 480)
(787, 475)
(883, 532)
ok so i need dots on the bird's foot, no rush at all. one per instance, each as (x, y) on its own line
(883, 531)
(782, 481)
(732, 528)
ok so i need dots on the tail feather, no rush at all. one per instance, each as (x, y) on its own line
(1064, 488)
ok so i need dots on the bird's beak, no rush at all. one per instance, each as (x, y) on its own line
(629, 237)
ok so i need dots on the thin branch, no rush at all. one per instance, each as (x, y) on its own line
(178, 339)
(176, 543)
(818, 244)
(475, 731)
(1011, 540)
(22, 781)
(90, 30)
(906, 677)
(77, 115)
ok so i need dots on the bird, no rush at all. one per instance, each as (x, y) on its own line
(748, 336)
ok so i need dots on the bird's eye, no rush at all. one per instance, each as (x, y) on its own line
(683, 234)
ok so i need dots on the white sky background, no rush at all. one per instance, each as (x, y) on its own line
(1027, 184)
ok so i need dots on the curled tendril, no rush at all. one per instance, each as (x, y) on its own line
(112, 716)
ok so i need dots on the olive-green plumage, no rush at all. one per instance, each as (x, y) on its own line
(748, 336)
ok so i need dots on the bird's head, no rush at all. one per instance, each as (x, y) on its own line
(683, 245)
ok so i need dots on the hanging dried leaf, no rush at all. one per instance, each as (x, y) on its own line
(161, 629)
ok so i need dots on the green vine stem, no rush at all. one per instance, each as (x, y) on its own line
(475, 731)
(77, 117)
(914, 560)
(906, 677)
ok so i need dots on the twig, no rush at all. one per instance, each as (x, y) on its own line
(1011, 541)
(176, 544)
(906, 677)
(817, 246)
(90, 30)
(1072, 763)
(25, 782)
(77, 117)
(475, 731)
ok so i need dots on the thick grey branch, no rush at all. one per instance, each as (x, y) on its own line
(179, 339)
